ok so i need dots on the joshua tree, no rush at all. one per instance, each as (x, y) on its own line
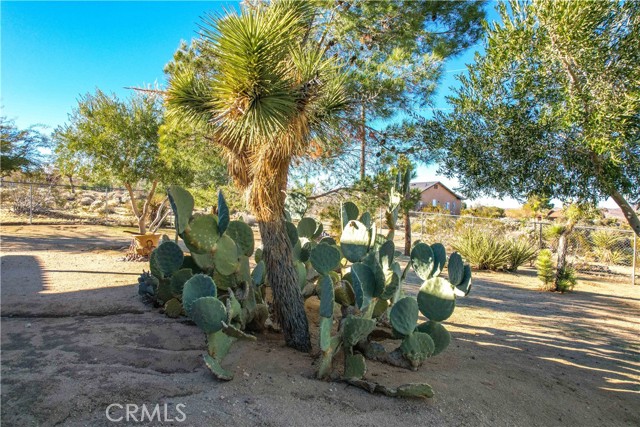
(264, 90)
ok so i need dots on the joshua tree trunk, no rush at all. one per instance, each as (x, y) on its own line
(282, 277)
(266, 199)
(563, 247)
(407, 233)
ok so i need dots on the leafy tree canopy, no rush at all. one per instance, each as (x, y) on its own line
(553, 106)
(20, 148)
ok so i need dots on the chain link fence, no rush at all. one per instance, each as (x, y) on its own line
(52, 203)
(592, 250)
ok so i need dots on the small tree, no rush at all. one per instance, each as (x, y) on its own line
(117, 140)
(544, 265)
(19, 149)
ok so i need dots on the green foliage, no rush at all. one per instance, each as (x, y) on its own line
(550, 108)
(370, 294)
(484, 211)
(566, 279)
(486, 250)
(546, 270)
(19, 149)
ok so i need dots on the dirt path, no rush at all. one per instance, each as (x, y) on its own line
(76, 338)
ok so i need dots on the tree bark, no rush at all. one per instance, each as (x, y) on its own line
(141, 216)
(627, 211)
(363, 143)
(407, 233)
(282, 277)
(73, 188)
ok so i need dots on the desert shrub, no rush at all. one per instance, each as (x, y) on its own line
(485, 211)
(545, 268)
(608, 247)
(551, 235)
(22, 202)
(520, 252)
(567, 279)
(489, 250)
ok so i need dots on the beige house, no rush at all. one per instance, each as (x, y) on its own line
(435, 193)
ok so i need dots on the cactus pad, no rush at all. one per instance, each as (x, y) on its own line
(326, 296)
(225, 257)
(436, 299)
(182, 205)
(465, 285)
(414, 390)
(242, 234)
(296, 204)
(404, 315)
(223, 213)
(169, 257)
(307, 227)
(292, 232)
(354, 241)
(325, 258)
(349, 212)
(202, 234)
(365, 218)
(422, 260)
(196, 287)
(387, 252)
(258, 273)
(455, 269)
(417, 347)
(208, 313)
(439, 258)
(173, 308)
(178, 279)
(218, 371)
(364, 284)
(356, 329)
(354, 366)
(438, 333)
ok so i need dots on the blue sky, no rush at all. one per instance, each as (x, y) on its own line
(53, 52)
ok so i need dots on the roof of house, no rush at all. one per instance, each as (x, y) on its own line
(422, 186)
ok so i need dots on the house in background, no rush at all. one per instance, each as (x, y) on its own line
(435, 193)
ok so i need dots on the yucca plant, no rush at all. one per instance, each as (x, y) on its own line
(545, 268)
(520, 252)
(268, 92)
(483, 250)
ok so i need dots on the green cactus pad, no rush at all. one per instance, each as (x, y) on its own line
(234, 332)
(344, 294)
(242, 234)
(436, 299)
(329, 241)
(202, 234)
(223, 213)
(465, 284)
(307, 227)
(455, 269)
(364, 284)
(189, 262)
(349, 212)
(204, 261)
(208, 313)
(325, 258)
(164, 290)
(319, 230)
(354, 366)
(439, 258)
(438, 333)
(324, 369)
(258, 273)
(169, 257)
(154, 267)
(391, 287)
(356, 329)
(371, 260)
(417, 347)
(178, 279)
(173, 308)
(386, 253)
(225, 257)
(414, 390)
(365, 218)
(404, 315)
(354, 241)
(218, 371)
(218, 344)
(224, 282)
(380, 308)
(234, 309)
(326, 294)
(292, 232)
(296, 204)
(196, 287)
(422, 260)
(301, 271)
(182, 205)
(326, 324)
(257, 256)
(307, 247)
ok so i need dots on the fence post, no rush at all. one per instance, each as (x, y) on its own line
(30, 203)
(635, 256)
(106, 204)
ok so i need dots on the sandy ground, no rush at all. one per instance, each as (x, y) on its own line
(77, 338)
